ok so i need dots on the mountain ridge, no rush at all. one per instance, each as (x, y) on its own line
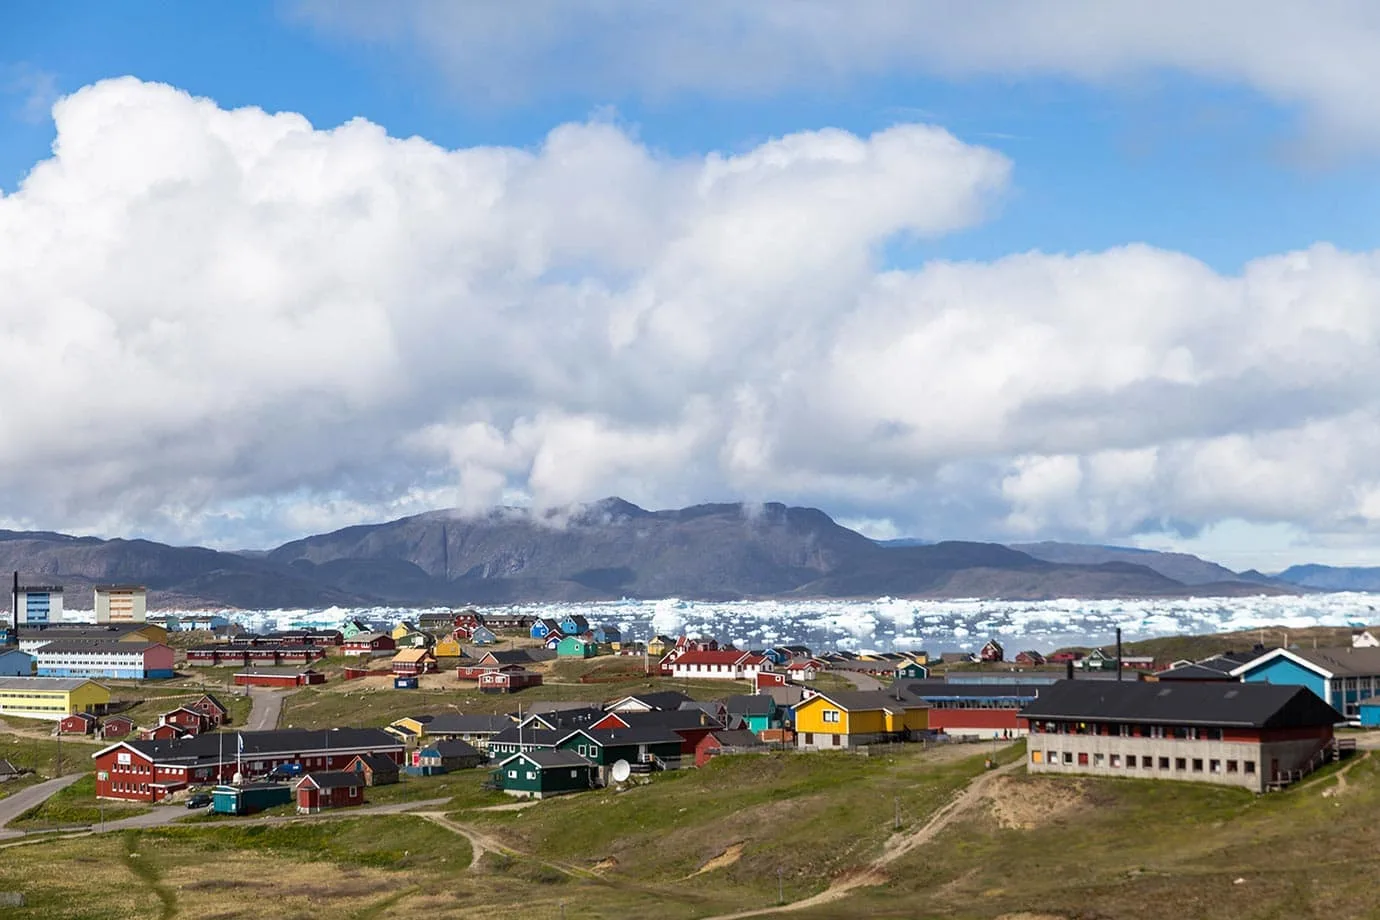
(603, 550)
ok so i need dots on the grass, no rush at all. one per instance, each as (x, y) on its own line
(463, 788)
(41, 756)
(77, 804)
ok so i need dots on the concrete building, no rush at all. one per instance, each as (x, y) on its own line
(1250, 735)
(39, 604)
(121, 603)
(50, 698)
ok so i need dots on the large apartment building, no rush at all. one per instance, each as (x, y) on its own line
(98, 658)
(121, 603)
(39, 604)
(1229, 734)
(50, 698)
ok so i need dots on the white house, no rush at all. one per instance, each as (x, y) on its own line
(723, 664)
(1364, 639)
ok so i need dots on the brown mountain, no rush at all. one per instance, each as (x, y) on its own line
(605, 550)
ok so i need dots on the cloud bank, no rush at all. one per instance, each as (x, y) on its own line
(1321, 57)
(232, 326)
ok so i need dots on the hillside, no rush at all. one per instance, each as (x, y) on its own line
(1181, 567)
(605, 550)
(1332, 578)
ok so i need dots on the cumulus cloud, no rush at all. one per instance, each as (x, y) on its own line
(234, 326)
(1322, 57)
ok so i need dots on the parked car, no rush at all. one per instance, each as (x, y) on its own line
(199, 800)
(285, 771)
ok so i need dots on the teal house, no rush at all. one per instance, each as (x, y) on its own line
(539, 774)
(1342, 677)
(249, 798)
(758, 712)
(912, 670)
(575, 647)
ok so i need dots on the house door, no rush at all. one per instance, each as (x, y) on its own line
(1274, 768)
(809, 738)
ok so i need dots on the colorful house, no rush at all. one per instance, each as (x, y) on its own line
(543, 628)
(912, 670)
(415, 640)
(1030, 658)
(447, 647)
(329, 789)
(414, 661)
(757, 712)
(352, 628)
(843, 719)
(368, 643)
(574, 624)
(992, 651)
(653, 747)
(377, 769)
(608, 635)
(540, 774)
(14, 663)
(659, 645)
(1342, 677)
(50, 697)
(721, 742)
(573, 647)
(402, 629)
(482, 635)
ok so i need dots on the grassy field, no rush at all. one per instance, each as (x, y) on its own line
(77, 804)
(1194, 648)
(41, 756)
(695, 844)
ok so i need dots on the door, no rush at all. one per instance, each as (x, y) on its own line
(1274, 768)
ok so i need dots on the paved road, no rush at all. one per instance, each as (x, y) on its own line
(12, 806)
(266, 709)
(861, 681)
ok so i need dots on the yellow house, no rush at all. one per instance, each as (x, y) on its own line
(447, 647)
(403, 629)
(843, 719)
(660, 645)
(919, 657)
(50, 697)
(407, 728)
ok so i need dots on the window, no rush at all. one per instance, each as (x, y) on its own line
(1249, 766)
(1037, 757)
(1214, 766)
(809, 738)
(1082, 759)
(831, 715)
(1231, 766)
(512, 774)
(1180, 763)
(1068, 757)
(573, 774)
(836, 740)
(531, 775)
(1197, 765)
(353, 792)
(1098, 759)
(1114, 760)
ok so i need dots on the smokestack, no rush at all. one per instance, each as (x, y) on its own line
(14, 614)
(1068, 669)
(1118, 653)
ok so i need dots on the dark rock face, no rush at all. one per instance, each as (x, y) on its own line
(604, 550)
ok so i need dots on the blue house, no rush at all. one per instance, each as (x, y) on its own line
(482, 635)
(1343, 677)
(543, 628)
(574, 624)
(14, 663)
(1370, 713)
(607, 635)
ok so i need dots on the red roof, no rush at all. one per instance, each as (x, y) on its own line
(728, 656)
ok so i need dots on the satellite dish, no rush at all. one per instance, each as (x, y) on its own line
(621, 771)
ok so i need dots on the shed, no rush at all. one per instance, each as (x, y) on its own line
(249, 798)
(279, 677)
(78, 723)
(116, 726)
(500, 681)
(377, 769)
(329, 789)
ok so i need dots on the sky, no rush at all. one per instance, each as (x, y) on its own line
(1003, 270)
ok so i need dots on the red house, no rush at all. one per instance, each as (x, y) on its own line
(719, 742)
(284, 678)
(187, 719)
(368, 644)
(329, 789)
(1030, 658)
(992, 651)
(507, 680)
(769, 679)
(116, 726)
(78, 723)
(164, 732)
(213, 709)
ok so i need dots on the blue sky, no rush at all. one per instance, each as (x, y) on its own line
(1132, 134)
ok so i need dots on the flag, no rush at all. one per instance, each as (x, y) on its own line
(239, 743)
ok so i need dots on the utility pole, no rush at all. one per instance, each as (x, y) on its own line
(780, 887)
(896, 822)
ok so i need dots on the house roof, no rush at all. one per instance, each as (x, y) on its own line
(567, 718)
(788, 695)
(615, 737)
(447, 723)
(545, 706)
(119, 718)
(97, 646)
(551, 759)
(541, 737)
(668, 719)
(519, 655)
(1242, 705)
(454, 748)
(333, 779)
(1343, 661)
(738, 739)
(758, 704)
(8, 769)
(42, 683)
(219, 747)
(413, 654)
(864, 700)
(378, 763)
(722, 656)
(361, 638)
(1198, 671)
(88, 717)
(943, 690)
(214, 702)
(661, 699)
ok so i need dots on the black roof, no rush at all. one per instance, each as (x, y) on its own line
(453, 723)
(549, 759)
(1200, 671)
(943, 690)
(1238, 705)
(615, 737)
(567, 718)
(739, 739)
(517, 655)
(456, 748)
(220, 747)
(542, 737)
(669, 719)
(335, 779)
(758, 704)
(378, 763)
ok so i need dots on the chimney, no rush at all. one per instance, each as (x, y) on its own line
(1118, 653)
(13, 638)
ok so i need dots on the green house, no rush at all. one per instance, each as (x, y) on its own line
(538, 774)
(912, 670)
(758, 712)
(604, 747)
(575, 647)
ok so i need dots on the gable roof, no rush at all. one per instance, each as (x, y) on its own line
(518, 655)
(8, 769)
(943, 690)
(215, 747)
(332, 779)
(758, 704)
(456, 723)
(863, 701)
(704, 656)
(667, 719)
(214, 702)
(1343, 661)
(1197, 671)
(454, 748)
(43, 683)
(1240, 705)
(616, 737)
(661, 699)
(549, 759)
(741, 738)
(540, 737)
(377, 762)
(408, 655)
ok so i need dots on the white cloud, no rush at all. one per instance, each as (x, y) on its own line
(1322, 57)
(231, 326)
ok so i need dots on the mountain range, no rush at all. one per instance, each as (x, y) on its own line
(611, 549)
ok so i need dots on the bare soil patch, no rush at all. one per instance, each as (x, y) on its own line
(1019, 806)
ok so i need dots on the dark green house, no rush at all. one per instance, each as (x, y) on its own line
(538, 774)
(658, 747)
(912, 670)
